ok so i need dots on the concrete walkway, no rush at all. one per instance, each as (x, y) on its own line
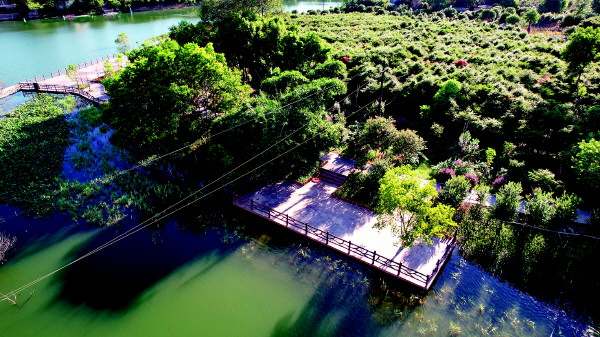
(314, 204)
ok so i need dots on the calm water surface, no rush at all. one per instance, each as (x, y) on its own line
(191, 279)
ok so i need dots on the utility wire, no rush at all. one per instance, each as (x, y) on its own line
(553, 231)
(144, 163)
(158, 216)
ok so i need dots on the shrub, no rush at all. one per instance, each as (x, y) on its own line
(444, 175)
(472, 178)
(513, 19)
(455, 191)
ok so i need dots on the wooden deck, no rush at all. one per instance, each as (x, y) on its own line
(357, 252)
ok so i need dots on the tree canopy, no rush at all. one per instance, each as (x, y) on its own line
(582, 49)
(166, 90)
(406, 206)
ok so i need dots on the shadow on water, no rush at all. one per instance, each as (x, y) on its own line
(112, 279)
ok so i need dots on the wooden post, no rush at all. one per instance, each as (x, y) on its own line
(349, 245)
(269, 212)
(287, 220)
(252, 204)
(306, 229)
(399, 267)
(374, 254)
(326, 238)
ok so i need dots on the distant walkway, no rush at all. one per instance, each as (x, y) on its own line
(312, 211)
(86, 84)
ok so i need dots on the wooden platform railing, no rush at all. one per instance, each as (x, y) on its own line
(59, 89)
(346, 247)
(64, 71)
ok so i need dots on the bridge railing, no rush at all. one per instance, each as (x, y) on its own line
(60, 89)
(344, 246)
(64, 71)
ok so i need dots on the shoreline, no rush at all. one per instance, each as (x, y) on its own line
(34, 15)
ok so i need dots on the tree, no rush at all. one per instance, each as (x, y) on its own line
(586, 163)
(513, 19)
(583, 49)
(487, 15)
(406, 206)
(279, 125)
(167, 90)
(455, 191)
(217, 10)
(540, 208)
(532, 16)
(508, 201)
(259, 45)
(122, 42)
(71, 72)
(553, 6)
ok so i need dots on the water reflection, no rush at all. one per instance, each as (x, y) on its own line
(253, 282)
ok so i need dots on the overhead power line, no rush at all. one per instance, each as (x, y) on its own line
(161, 215)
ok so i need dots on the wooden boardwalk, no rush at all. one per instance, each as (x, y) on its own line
(383, 262)
(85, 84)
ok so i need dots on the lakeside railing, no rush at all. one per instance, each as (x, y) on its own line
(59, 89)
(344, 246)
(60, 72)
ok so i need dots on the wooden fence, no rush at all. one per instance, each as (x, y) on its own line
(58, 89)
(346, 247)
(60, 72)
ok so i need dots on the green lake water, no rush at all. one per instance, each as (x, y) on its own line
(240, 276)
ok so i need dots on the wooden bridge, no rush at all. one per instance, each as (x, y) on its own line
(359, 253)
(86, 74)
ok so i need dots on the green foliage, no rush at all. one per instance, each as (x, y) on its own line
(455, 191)
(487, 15)
(449, 90)
(283, 82)
(406, 207)
(259, 45)
(217, 10)
(583, 49)
(540, 208)
(508, 201)
(586, 163)
(280, 125)
(513, 19)
(544, 179)
(71, 72)
(122, 42)
(166, 90)
(553, 6)
(33, 139)
(379, 134)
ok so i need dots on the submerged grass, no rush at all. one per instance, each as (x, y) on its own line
(33, 138)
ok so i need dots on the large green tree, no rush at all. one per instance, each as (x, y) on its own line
(406, 206)
(257, 45)
(217, 10)
(301, 116)
(583, 49)
(586, 163)
(167, 90)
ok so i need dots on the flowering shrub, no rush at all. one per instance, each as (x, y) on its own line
(472, 178)
(460, 63)
(499, 182)
(444, 175)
